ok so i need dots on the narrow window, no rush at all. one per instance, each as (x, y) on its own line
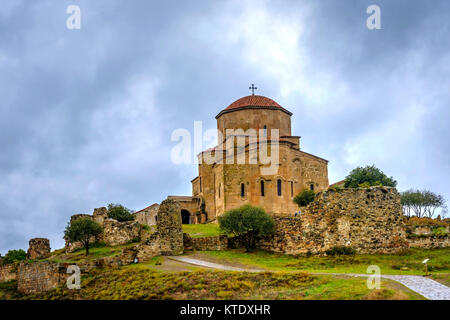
(279, 187)
(311, 187)
(242, 190)
(262, 188)
(265, 131)
(292, 188)
(200, 184)
(219, 190)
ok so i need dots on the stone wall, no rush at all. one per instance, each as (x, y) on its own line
(40, 276)
(39, 248)
(8, 272)
(368, 220)
(429, 242)
(114, 232)
(205, 243)
(169, 228)
(117, 233)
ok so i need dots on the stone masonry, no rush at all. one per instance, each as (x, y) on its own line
(8, 272)
(368, 220)
(39, 248)
(40, 276)
(117, 233)
(169, 228)
(205, 243)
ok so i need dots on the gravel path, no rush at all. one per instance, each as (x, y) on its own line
(212, 265)
(426, 287)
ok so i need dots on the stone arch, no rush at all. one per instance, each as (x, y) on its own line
(185, 216)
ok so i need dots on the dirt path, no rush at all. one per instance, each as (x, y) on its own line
(426, 287)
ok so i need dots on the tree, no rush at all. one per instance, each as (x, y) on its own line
(120, 213)
(423, 203)
(304, 198)
(368, 176)
(14, 256)
(248, 223)
(82, 229)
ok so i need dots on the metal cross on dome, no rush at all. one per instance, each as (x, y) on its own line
(253, 88)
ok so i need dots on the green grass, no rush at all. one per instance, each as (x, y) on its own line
(389, 264)
(142, 283)
(96, 251)
(202, 230)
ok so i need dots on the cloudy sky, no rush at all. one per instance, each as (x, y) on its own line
(87, 115)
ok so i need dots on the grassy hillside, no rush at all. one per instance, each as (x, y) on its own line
(142, 283)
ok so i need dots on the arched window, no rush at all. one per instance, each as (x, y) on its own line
(242, 190)
(262, 188)
(265, 131)
(279, 187)
(311, 186)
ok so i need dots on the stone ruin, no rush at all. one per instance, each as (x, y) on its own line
(170, 228)
(39, 248)
(367, 220)
(114, 232)
(166, 240)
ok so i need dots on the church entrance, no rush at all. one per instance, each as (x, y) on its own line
(185, 217)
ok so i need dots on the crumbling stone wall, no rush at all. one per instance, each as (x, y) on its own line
(114, 232)
(39, 248)
(169, 228)
(40, 276)
(8, 272)
(205, 243)
(100, 215)
(117, 233)
(430, 242)
(368, 220)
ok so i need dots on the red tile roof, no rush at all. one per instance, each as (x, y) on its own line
(253, 101)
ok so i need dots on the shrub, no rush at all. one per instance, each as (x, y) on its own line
(340, 250)
(304, 198)
(249, 223)
(14, 256)
(120, 213)
(82, 229)
(368, 176)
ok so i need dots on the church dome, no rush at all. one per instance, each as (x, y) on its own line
(253, 101)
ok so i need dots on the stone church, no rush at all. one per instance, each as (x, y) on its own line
(222, 184)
